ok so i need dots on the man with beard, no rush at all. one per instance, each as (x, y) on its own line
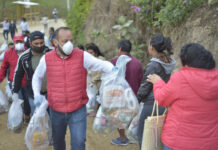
(27, 63)
(66, 70)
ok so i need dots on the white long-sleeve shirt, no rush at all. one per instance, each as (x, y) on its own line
(5, 25)
(90, 62)
(24, 26)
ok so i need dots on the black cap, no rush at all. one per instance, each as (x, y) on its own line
(36, 35)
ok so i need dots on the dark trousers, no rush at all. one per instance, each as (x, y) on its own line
(146, 112)
(26, 109)
(12, 35)
(5, 34)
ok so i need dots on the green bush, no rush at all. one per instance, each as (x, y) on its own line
(161, 13)
(76, 19)
(175, 12)
(47, 6)
(126, 30)
(147, 9)
(8, 8)
(212, 2)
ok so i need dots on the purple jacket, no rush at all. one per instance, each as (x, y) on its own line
(134, 72)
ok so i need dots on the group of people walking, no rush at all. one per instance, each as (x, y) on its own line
(10, 27)
(189, 94)
(60, 75)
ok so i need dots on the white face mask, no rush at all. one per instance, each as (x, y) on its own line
(19, 46)
(68, 48)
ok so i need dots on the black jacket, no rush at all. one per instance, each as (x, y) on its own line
(145, 92)
(27, 43)
(12, 28)
(24, 65)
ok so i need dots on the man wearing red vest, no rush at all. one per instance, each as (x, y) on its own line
(66, 70)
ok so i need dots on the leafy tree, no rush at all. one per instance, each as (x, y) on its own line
(77, 17)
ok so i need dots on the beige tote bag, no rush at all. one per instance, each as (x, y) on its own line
(152, 130)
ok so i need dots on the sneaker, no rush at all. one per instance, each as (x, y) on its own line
(132, 141)
(119, 141)
(92, 114)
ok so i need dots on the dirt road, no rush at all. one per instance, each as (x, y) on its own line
(37, 26)
(95, 141)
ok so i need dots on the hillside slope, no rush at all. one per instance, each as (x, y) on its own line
(201, 27)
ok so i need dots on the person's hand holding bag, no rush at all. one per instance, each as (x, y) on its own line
(15, 96)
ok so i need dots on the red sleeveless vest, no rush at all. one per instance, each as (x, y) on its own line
(66, 81)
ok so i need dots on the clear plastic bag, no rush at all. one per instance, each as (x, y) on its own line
(3, 49)
(101, 124)
(92, 93)
(119, 103)
(15, 116)
(132, 132)
(90, 106)
(38, 133)
(3, 103)
(8, 91)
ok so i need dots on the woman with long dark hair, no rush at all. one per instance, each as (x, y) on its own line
(161, 63)
(192, 96)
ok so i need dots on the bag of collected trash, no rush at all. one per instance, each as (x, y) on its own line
(3, 49)
(38, 133)
(119, 103)
(101, 124)
(98, 99)
(3, 103)
(91, 92)
(8, 91)
(132, 132)
(90, 106)
(15, 116)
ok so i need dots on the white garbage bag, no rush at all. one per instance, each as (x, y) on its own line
(8, 91)
(15, 116)
(38, 133)
(132, 132)
(3, 103)
(92, 91)
(101, 124)
(3, 49)
(119, 103)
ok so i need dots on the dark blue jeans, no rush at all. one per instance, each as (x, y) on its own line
(5, 34)
(12, 35)
(166, 148)
(77, 124)
(56, 18)
(23, 95)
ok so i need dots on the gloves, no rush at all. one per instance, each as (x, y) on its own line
(15, 96)
(114, 68)
(38, 100)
